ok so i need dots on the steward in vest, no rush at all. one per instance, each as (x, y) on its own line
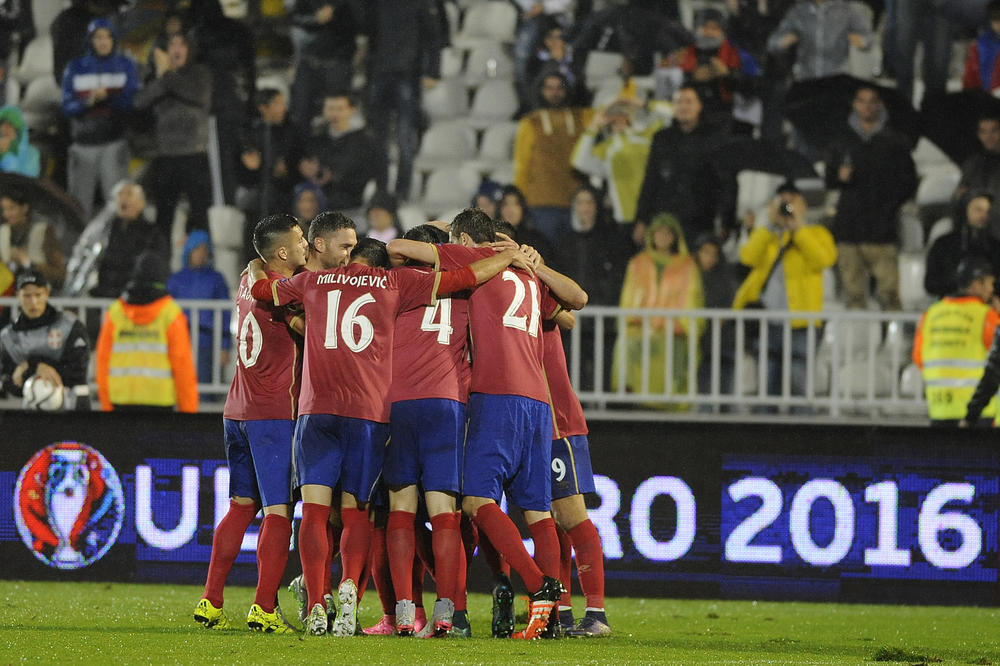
(44, 342)
(951, 344)
(144, 355)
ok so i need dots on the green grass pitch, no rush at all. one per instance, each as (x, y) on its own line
(121, 623)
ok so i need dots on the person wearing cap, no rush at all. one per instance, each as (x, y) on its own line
(44, 342)
(951, 345)
(144, 358)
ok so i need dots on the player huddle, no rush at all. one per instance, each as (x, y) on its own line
(354, 387)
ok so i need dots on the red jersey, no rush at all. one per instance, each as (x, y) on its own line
(268, 361)
(350, 319)
(567, 412)
(505, 317)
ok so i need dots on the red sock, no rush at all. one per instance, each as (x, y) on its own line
(226, 544)
(503, 534)
(589, 562)
(447, 541)
(565, 566)
(417, 582)
(399, 543)
(493, 559)
(470, 538)
(354, 543)
(366, 574)
(546, 546)
(378, 563)
(272, 556)
(332, 548)
(313, 549)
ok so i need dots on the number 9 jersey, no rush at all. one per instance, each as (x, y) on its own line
(268, 361)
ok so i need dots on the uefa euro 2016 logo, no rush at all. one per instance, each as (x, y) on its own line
(68, 505)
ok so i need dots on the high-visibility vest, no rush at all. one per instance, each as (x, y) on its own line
(139, 368)
(953, 354)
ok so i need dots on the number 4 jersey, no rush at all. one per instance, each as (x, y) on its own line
(268, 361)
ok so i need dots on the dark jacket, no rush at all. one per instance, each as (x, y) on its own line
(333, 40)
(988, 384)
(596, 259)
(181, 101)
(104, 121)
(981, 171)
(126, 241)
(883, 178)
(352, 159)
(274, 143)
(226, 47)
(405, 37)
(948, 250)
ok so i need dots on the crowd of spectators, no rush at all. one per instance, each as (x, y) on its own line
(630, 187)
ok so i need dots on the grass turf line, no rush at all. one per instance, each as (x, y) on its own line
(126, 623)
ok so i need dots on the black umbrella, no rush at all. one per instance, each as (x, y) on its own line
(951, 120)
(745, 154)
(819, 108)
(46, 199)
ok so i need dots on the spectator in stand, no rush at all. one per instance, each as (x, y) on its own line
(97, 93)
(680, 178)
(174, 23)
(822, 32)
(383, 220)
(16, 154)
(971, 237)
(70, 27)
(309, 201)
(534, 22)
(324, 36)
(158, 374)
(613, 148)
(552, 54)
(982, 63)
(719, 283)
(226, 48)
(28, 241)
(871, 166)
(347, 157)
(404, 56)
(17, 29)
(542, 148)
(981, 171)
(786, 258)
(46, 343)
(181, 99)
(662, 276)
(514, 210)
(198, 280)
(923, 21)
(487, 198)
(269, 158)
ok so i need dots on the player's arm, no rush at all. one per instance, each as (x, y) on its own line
(264, 288)
(401, 249)
(565, 289)
(988, 383)
(479, 271)
(565, 320)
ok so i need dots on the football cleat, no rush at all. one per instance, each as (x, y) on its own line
(444, 610)
(503, 607)
(541, 605)
(553, 628)
(406, 613)
(589, 627)
(385, 627)
(297, 588)
(269, 623)
(347, 620)
(316, 621)
(211, 617)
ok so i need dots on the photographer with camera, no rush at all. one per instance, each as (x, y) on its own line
(786, 260)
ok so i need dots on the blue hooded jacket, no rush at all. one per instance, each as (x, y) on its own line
(104, 121)
(201, 283)
(20, 156)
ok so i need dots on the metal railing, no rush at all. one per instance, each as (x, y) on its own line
(854, 366)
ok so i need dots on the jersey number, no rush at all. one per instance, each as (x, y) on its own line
(349, 324)
(250, 349)
(442, 311)
(522, 322)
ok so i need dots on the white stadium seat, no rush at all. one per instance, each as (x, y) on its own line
(448, 99)
(448, 142)
(488, 61)
(492, 21)
(495, 101)
(37, 60)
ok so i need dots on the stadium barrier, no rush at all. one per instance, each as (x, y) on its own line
(856, 366)
(760, 511)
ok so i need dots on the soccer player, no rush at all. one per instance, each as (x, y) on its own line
(572, 477)
(343, 418)
(332, 236)
(509, 436)
(258, 419)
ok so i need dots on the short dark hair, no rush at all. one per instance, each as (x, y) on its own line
(346, 94)
(266, 95)
(426, 233)
(15, 194)
(373, 251)
(475, 223)
(970, 269)
(329, 222)
(268, 232)
(502, 226)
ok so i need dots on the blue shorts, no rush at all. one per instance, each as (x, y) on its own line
(425, 446)
(330, 448)
(259, 454)
(509, 449)
(571, 471)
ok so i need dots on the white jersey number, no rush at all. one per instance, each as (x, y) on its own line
(249, 350)
(349, 324)
(527, 323)
(442, 312)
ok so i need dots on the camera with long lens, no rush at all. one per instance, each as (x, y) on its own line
(785, 209)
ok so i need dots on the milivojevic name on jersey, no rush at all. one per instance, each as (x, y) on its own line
(378, 281)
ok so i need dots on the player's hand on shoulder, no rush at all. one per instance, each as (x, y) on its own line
(505, 243)
(523, 261)
(534, 256)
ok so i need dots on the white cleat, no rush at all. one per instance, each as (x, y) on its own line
(347, 619)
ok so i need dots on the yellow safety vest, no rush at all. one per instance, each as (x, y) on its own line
(139, 368)
(953, 357)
